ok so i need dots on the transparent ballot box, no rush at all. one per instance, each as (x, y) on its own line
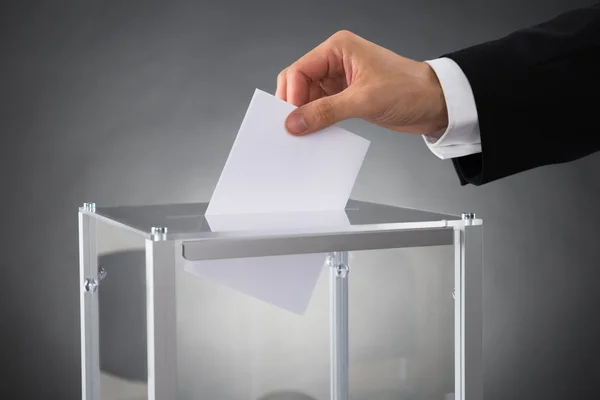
(371, 302)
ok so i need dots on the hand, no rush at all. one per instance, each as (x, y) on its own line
(350, 77)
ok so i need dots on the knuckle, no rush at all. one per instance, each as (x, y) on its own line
(342, 36)
(292, 71)
(282, 74)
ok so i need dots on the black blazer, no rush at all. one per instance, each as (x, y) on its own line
(537, 93)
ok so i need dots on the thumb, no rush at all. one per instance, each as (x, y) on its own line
(321, 113)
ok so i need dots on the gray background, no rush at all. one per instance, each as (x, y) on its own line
(128, 102)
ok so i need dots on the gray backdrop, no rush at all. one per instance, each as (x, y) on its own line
(124, 102)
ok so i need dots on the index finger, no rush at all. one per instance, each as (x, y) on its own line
(309, 69)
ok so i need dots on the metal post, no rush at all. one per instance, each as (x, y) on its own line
(468, 310)
(161, 317)
(88, 299)
(338, 291)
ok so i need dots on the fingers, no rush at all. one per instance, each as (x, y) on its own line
(308, 91)
(294, 84)
(316, 92)
(316, 64)
(333, 85)
(322, 113)
(317, 85)
(282, 85)
(298, 87)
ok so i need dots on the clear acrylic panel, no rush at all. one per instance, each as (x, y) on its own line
(401, 342)
(232, 346)
(401, 324)
(122, 314)
(187, 221)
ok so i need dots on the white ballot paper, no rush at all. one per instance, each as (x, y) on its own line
(273, 180)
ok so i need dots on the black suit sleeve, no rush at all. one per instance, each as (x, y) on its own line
(537, 93)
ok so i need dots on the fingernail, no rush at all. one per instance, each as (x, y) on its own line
(296, 124)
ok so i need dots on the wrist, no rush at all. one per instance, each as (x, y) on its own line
(436, 111)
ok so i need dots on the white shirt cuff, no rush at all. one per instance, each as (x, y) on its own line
(462, 136)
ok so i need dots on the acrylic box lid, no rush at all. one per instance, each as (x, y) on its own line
(188, 222)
